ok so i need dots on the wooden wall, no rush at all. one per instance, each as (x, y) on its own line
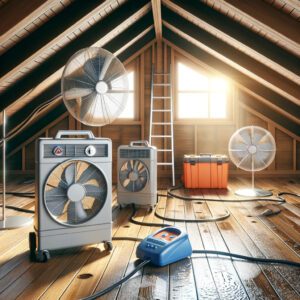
(204, 137)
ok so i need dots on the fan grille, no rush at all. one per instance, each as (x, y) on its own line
(133, 175)
(252, 148)
(75, 192)
(94, 86)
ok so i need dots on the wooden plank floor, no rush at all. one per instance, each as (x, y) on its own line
(250, 230)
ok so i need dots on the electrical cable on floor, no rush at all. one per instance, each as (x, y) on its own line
(116, 284)
(205, 252)
(280, 199)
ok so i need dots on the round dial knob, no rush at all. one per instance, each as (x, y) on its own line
(90, 150)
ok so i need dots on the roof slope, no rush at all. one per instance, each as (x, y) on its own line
(254, 42)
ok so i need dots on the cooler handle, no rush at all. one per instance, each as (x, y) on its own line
(61, 133)
(139, 143)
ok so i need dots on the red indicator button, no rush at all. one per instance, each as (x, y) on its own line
(58, 151)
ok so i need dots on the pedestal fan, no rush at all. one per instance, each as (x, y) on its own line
(252, 149)
(95, 91)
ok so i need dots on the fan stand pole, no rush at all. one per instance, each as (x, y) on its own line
(9, 222)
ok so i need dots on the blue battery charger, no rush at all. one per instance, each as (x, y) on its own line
(165, 246)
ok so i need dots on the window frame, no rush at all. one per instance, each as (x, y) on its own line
(132, 66)
(230, 118)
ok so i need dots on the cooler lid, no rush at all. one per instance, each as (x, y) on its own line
(191, 158)
(216, 158)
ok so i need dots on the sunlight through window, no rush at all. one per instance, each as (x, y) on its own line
(128, 112)
(201, 96)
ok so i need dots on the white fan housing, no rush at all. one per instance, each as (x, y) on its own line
(94, 86)
(73, 201)
(252, 148)
(137, 174)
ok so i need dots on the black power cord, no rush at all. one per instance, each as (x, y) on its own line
(206, 252)
(280, 200)
(116, 284)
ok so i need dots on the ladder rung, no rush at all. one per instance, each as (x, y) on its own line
(161, 123)
(161, 110)
(162, 84)
(161, 136)
(161, 97)
(164, 150)
(164, 164)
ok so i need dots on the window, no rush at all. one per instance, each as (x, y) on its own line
(200, 96)
(128, 112)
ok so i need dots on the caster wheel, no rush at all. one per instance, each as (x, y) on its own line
(150, 209)
(108, 246)
(43, 256)
(32, 246)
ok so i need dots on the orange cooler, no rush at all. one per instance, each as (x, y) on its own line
(205, 171)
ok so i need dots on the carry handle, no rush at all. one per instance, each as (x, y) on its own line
(139, 143)
(61, 133)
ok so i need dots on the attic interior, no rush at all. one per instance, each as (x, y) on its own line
(145, 172)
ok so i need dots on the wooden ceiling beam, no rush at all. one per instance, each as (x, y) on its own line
(232, 56)
(256, 89)
(156, 11)
(235, 33)
(16, 14)
(52, 91)
(47, 36)
(110, 26)
(269, 17)
(270, 113)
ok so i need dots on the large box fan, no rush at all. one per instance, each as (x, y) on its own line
(137, 174)
(73, 193)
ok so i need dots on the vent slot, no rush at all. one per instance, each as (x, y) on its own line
(134, 153)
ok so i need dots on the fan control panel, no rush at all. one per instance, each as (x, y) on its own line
(75, 150)
(165, 246)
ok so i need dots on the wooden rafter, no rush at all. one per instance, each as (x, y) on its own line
(268, 17)
(109, 27)
(264, 94)
(45, 37)
(232, 56)
(156, 10)
(17, 14)
(238, 35)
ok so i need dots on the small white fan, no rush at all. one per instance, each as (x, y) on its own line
(94, 86)
(252, 148)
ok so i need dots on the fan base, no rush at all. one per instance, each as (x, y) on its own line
(12, 222)
(253, 193)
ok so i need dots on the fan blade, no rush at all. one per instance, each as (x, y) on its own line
(136, 165)
(95, 191)
(130, 186)
(55, 200)
(88, 174)
(90, 70)
(105, 67)
(77, 93)
(143, 173)
(87, 104)
(140, 184)
(76, 212)
(128, 166)
(123, 175)
(245, 163)
(245, 137)
(69, 173)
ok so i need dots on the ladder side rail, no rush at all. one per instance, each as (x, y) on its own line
(151, 105)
